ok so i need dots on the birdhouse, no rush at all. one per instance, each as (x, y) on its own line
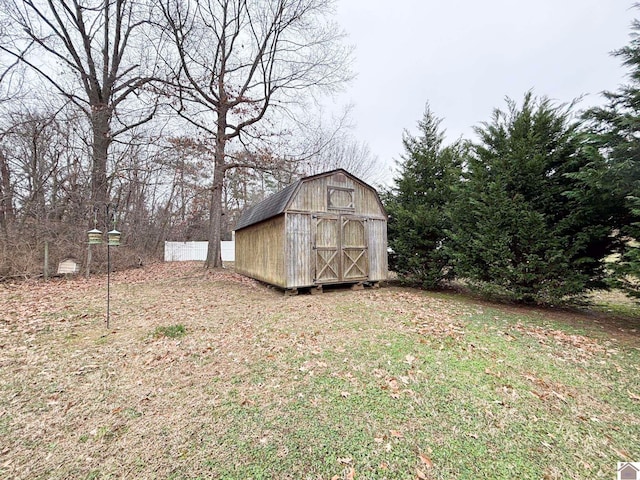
(95, 237)
(113, 238)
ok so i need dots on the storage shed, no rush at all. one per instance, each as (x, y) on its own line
(324, 229)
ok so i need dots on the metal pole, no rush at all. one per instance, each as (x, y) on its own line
(108, 266)
(46, 260)
(88, 261)
(108, 280)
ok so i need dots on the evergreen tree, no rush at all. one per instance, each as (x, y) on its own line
(517, 228)
(615, 135)
(416, 206)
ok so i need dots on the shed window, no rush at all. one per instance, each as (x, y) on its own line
(339, 198)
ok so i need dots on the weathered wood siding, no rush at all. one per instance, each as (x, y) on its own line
(298, 251)
(312, 197)
(260, 251)
(303, 234)
(378, 265)
(329, 229)
(350, 199)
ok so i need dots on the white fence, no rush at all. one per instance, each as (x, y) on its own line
(185, 251)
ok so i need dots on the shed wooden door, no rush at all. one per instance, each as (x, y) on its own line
(353, 240)
(340, 249)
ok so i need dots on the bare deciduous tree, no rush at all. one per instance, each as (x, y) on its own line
(7, 215)
(342, 150)
(9, 84)
(238, 63)
(91, 41)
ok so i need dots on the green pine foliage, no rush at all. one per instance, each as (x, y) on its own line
(416, 206)
(517, 230)
(615, 135)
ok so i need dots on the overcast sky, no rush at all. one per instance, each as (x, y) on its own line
(465, 56)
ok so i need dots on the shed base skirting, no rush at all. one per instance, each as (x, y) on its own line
(320, 289)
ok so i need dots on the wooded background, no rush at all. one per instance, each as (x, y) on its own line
(166, 119)
(175, 114)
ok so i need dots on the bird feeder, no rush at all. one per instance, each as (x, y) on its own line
(95, 237)
(113, 238)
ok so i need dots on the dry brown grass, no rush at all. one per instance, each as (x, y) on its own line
(77, 398)
(78, 401)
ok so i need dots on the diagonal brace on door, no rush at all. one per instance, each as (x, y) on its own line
(354, 264)
(327, 266)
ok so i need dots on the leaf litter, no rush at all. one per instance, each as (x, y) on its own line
(77, 398)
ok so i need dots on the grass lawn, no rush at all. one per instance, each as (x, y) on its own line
(216, 376)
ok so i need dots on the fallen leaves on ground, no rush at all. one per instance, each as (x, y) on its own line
(425, 460)
(573, 346)
(78, 398)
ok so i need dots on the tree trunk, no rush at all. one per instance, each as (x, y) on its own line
(101, 123)
(6, 195)
(214, 254)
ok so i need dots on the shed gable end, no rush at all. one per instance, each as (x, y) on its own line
(336, 192)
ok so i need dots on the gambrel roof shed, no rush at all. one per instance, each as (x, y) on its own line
(323, 229)
(269, 207)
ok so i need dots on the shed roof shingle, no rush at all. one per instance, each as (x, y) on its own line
(270, 207)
